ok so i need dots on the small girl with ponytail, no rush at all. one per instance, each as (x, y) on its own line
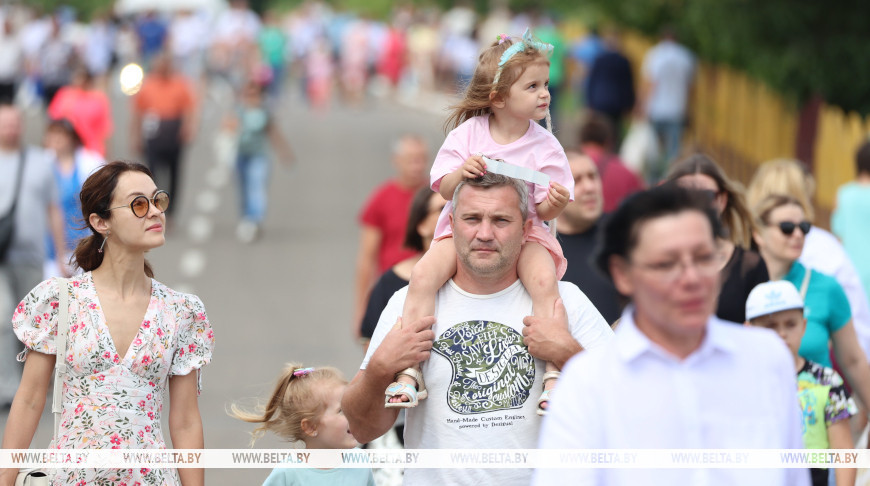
(507, 95)
(306, 406)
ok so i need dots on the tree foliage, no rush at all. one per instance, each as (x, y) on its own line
(801, 48)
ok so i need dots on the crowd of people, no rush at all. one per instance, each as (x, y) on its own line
(629, 304)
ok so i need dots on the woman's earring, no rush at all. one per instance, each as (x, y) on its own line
(105, 238)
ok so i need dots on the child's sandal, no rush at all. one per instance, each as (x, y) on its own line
(545, 396)
(402, 389)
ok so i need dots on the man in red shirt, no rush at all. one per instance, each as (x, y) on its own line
(617, 180)
(384, 217)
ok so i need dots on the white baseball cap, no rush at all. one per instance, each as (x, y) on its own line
(770, 297)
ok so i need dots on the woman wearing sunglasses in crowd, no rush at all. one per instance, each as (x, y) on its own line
(130, 338)
(741, 267)
(782, 227)
(823, 252)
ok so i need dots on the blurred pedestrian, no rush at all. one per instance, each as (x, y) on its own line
(273, 46)
(11, 62)
(849, 221)
(384, 219)
(151, 30)
(27, 185)
(256, 131)
(597, 142)
(736, 385)
(420, 229)
(579, 227)
(56, 57)
(667, 75)
(86, 107)
(742, 268)
(610, 86)
(73, 163)
(131, 339)
(163, 123)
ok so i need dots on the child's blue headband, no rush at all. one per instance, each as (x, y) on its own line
(526, 43)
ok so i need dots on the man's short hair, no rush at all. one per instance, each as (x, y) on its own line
(489, 180)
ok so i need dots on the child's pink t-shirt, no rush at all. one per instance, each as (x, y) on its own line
(538, 149)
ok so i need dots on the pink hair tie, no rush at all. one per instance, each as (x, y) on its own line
(302, 372)
(501, 38)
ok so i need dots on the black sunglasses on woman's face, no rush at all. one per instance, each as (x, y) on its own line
(787, 227)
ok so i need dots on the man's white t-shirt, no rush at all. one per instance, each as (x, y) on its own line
(483, 384)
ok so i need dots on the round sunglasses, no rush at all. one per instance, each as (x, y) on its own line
(787, 227)
(141, 204)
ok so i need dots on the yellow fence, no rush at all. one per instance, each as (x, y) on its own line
(742, 123)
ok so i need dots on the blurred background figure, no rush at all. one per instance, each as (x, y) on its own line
(256, 133)
(596, 141)
(273, 46)
(99, 49)
(668, 72)
(384, 219)
(87, 107)
(610, 86)
(579, 226)
(741, 267)
(73, 163)
(188, 40)
(26, 184)
(851, 219)
(56, 57)
(151, 31)
(163, 123)
(11, 62)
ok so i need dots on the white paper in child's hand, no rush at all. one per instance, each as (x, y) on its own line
(517, 172)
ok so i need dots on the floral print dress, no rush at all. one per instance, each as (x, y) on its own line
(112, 401)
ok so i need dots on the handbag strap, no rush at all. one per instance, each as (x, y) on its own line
(18, 179)
(60, 369)
(805, 284)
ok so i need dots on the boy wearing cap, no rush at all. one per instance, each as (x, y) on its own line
(825, 403)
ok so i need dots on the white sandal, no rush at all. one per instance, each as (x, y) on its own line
(545, 396)
(402, 389)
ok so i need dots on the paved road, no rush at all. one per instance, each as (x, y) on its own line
(288, 296)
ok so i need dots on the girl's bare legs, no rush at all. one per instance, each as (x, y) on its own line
(537, 271)
(429, 275)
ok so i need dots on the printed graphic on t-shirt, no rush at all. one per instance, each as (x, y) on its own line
(492, 368)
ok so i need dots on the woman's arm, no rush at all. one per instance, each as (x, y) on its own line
(185, 424)
(840, 437)
(852, 361)
(27, 407)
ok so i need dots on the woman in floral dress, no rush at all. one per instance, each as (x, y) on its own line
(130, 338)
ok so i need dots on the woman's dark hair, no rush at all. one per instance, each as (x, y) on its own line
(862, 158)
(621, 231)
(418, 212)
(736, 217)
(95, 197)
(67, 127)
